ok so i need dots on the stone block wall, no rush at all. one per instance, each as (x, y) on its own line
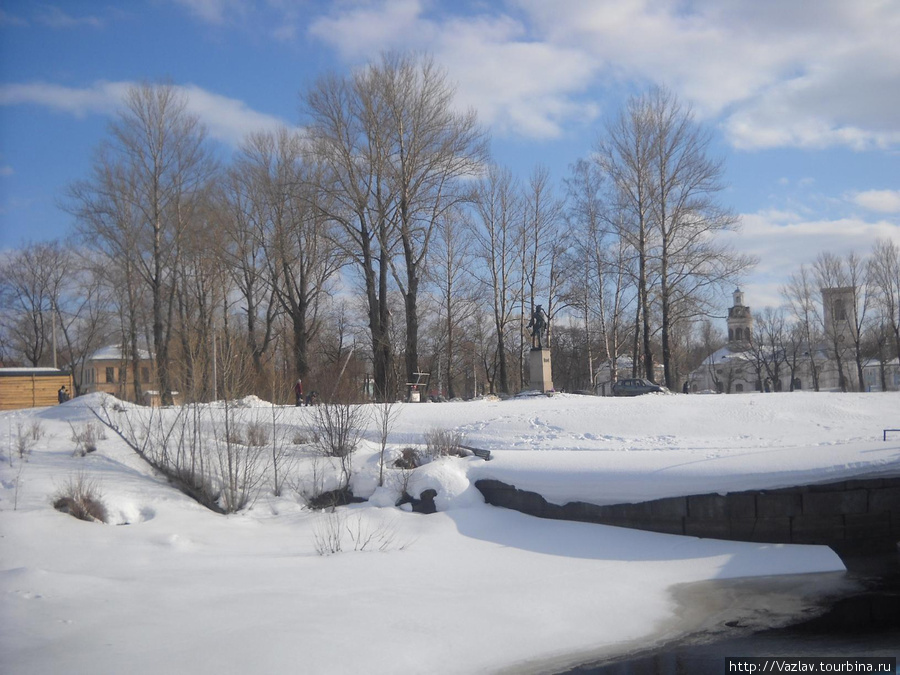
(856, 516)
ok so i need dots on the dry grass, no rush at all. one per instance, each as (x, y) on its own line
(444, 442)
(80, 497)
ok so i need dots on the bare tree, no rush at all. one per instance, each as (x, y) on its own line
(142, 195)
(832, 278)
(430, 148)
(450, 272)
(657, 159)
(497, 242)
(392, 150)
(244, 224)
(767, 344)
(626, 156)
(602, 256)
(884, 271)
(384, 415)
(686, 215)
(31, 283)
(297, 239)
(800, 294)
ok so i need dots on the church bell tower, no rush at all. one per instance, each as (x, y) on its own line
(740, 322)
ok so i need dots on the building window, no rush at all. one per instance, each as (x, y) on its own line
(110, 375)
(840, 314)
(145, 375)
(798, 385)
(739, 388)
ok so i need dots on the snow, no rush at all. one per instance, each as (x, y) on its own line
(114, 353)
(169, 586)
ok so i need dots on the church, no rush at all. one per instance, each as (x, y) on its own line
(743, 365)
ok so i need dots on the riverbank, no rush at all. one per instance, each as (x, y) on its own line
(854, 614)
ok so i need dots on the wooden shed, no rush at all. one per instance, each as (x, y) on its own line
(32, 387)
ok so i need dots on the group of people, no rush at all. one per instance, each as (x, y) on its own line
(311, 399)
(63, 394)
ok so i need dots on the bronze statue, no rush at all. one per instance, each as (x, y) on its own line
(538, 325)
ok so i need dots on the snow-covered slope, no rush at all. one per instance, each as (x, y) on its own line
(170, 586)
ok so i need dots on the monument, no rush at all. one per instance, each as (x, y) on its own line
(540, 377)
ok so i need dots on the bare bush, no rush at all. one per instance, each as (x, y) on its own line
(336, 531)
(338, 428)
(384, 416)
(177, 448)
(444, 442)
(328, 533)
(86, 438)
(257, 434)
(36, 430)
(409, 458)
(80, 496)
(300, 438)
(239, 468)
(24, 442)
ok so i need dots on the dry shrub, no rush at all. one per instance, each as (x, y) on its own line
(257, 434)
(80, 496)
(335, 532)
(36, 430)
(86, 438)
(409, 458)
(338, 428)
(444, 442)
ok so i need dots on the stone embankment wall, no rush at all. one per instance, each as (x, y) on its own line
(853, 516)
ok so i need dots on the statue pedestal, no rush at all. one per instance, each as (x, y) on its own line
(540, 377)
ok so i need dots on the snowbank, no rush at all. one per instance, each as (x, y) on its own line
(172, 587)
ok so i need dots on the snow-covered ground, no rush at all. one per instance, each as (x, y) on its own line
(169, 586)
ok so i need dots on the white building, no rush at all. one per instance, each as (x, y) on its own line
(730, 369)
(739, 366)
(872, 375)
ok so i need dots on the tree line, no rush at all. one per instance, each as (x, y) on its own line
(377, 240)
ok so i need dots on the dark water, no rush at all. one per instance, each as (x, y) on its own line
(862, 621)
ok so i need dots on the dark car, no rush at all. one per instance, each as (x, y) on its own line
(635, 387)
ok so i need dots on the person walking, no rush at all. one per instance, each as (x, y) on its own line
(298, 393)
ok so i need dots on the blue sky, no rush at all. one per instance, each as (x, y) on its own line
(803, 97)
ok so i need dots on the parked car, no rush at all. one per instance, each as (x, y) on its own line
(636, 386)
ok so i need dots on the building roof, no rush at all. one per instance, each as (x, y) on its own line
(875, 363)
(114, 353)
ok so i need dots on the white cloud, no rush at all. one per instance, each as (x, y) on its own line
(774, 73)
(517, 85)
(362, 31)
(7, 19)
(100, 98)
(784, 240)
(778, 73)
(212, 11)
(57, 18)
(228, 120)
(882, 201)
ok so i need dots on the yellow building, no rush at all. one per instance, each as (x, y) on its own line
(109, 371)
